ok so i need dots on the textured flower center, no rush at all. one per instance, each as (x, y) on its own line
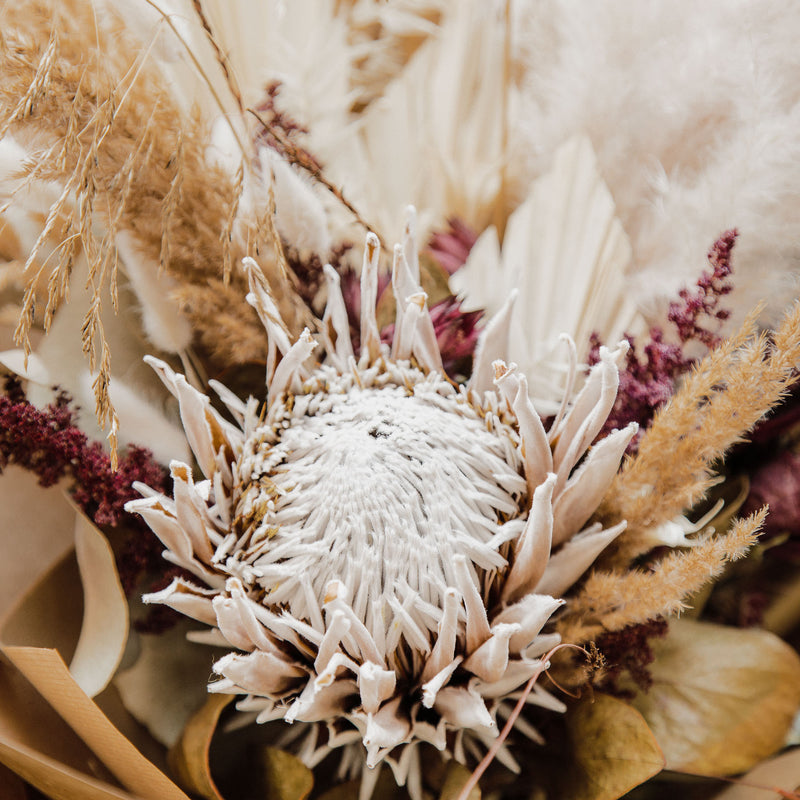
(379, 487)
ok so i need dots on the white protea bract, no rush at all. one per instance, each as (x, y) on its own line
(380, 547)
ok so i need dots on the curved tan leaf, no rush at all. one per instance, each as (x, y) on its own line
(188, 759)
(286, 776)
(104, 631)
(36, 531)
(722, 698)
(38, 745)
(48, 673)
(613, 750)
(49, 614)
(59, 781)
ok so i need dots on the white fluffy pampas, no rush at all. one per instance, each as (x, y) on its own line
(693, 111)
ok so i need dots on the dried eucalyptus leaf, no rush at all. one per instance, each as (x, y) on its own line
(722, 698)
(613, 750)
(188, 759)
(286, 776)
(457, 775)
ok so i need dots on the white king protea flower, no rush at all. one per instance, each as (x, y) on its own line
(379, 547)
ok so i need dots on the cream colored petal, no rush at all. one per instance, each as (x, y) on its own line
(260, 298)
(432, 687)
(519, 672)
(316, 704)
(291, 371)
(191, 511)
(490, 660)
(205, 430)
(385, 730)
(444, 646)
(255, 673)
(376, 685)
(575, 557)
(492, 345)
(532, 550)
(584, 420)
(478, 630)
(370, 335)
(404, 285)
(587, 486)
(534, 447)
(530, 613)
(164, 524)
(336, 317)
(190, 600)
(463, 707)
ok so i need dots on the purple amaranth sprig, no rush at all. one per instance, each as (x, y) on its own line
(630, 651)
(648, 377)
(48, 443)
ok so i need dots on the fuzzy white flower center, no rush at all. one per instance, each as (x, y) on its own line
(380, 487)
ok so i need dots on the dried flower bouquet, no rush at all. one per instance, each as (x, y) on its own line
(445, 500)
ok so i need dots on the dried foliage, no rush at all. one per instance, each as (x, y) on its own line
(613, 600)
(720, 400)
(128, 160)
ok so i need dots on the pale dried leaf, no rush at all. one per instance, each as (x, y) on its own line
(104, 632)
(722, 698)
(782, 772)
(36, 530)
(286, 776)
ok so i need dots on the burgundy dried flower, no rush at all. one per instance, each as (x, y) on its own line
(452, 247)
(777, 484)
(629, 650)
(281, 132)
(648, 380)
(48, 443)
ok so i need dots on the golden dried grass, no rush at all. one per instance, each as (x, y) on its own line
(733, 387)
(612, 600)
(88, 100)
